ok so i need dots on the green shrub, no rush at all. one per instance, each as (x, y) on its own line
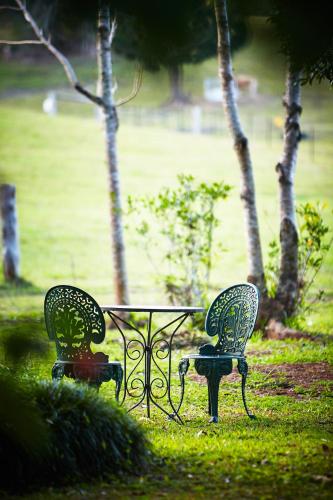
(181, 222)
(314, 242)
(23, 433)
(87, 437)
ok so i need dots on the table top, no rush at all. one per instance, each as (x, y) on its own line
(145, 308)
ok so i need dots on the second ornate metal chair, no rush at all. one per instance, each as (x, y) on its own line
(231, 316)
(74, 320)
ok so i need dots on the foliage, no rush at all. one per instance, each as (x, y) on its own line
(57, 432)
(184, 220)
(151, 33)
(312, 249)
(64, 433)
(306, 36)
(285, 453)
(85, 426)
(23, 432)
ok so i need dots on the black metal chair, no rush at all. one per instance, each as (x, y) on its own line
(231, 316)
(73, 321)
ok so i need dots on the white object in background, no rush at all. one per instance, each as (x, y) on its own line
(98, 113)
(50, 106)
(213, 92)
(196, 120)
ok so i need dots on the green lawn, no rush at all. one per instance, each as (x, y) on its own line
(285, 453)
(58, 167)
(63, 200)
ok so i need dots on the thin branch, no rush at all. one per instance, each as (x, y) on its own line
(113, 31)
(136, 87)
(9, 7)
(21, 42)
(69, 70)
(114, 87)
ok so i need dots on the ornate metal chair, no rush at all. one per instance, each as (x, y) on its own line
(231, 316)
(73, 321)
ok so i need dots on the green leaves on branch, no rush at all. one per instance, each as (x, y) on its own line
(313, 245)
(181, 221)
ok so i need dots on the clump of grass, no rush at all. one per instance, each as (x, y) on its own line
(85, 437)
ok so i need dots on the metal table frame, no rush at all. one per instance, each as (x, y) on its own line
(151, 348)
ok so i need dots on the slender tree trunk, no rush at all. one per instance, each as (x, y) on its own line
(111, 125)
(176, 78)
(10, 240)
(255, 261)
(287, 291)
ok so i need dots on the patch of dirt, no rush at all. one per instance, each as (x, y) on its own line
(257, 352)
(285, 378)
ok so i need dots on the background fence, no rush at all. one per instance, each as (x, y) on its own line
(199, 120)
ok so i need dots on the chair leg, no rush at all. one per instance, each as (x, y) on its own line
(213, 370)
(213, 382)
(243, 370)
(118, 378)
(58, 371)
(94, 385)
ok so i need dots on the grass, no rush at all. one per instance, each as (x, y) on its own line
(63, 204)
(57, 165)
(285, 452)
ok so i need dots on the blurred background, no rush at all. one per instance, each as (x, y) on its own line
(52, 150)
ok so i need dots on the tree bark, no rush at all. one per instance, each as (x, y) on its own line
(104, 40)
(176, 78)
(11, 250)
(287, 291)
(255, 262)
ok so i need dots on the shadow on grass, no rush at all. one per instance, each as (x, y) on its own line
(19, 287)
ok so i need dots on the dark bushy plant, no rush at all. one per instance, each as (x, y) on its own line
(87, 437)
(23, 433)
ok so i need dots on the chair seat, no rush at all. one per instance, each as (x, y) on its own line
(219, 357)
(88, 362)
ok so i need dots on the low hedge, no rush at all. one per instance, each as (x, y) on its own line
(71, 434)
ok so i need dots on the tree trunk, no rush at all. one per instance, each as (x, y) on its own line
(287, 291)
(11, 251)
(176, 77)
(255, 261)
(111, 125)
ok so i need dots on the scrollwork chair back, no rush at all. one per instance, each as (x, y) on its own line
(232, 316)
(74, 320)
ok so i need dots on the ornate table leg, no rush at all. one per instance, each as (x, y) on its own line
(243, 370)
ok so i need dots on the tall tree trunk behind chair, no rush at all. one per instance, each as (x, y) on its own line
(111, 125)
(287, 291)
(255, 261)
(10, 240)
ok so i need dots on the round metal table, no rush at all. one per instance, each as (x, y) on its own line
(147, 351)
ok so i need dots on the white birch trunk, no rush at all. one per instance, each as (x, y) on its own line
(10, 239)
(287, 292)
(111, 124)
(255, 261)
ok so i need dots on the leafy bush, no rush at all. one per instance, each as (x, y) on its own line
(23, 433)
(312, 249)
(83, 436)
(182, 221)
